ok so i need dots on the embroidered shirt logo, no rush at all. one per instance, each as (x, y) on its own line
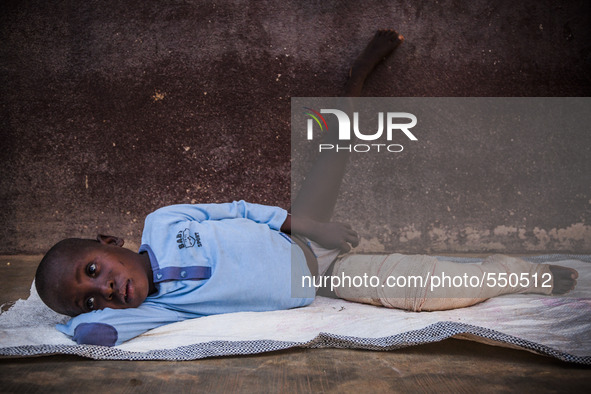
(184, 239)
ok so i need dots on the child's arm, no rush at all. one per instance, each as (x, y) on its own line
(110, 327)
(272, 216)
(330, 235)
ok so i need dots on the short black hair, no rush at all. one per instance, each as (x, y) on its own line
(61, 253)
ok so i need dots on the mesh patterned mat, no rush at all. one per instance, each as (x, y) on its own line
(559, 327)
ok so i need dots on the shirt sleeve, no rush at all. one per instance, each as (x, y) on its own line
(111, 327)
(274, 217)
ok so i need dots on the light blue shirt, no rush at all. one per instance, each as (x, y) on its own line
(206, 259)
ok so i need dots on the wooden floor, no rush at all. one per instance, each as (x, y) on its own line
(448, 366)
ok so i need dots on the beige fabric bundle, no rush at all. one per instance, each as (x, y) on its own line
(424, 283)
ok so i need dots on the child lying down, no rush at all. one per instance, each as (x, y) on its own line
(206, 259)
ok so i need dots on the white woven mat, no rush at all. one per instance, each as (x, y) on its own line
(555, 326)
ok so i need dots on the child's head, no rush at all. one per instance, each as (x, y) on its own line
(82, 275)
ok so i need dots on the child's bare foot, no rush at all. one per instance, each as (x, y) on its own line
(564, 279)
(381, 45)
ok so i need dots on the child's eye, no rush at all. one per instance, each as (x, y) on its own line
(90, 303)
(91, 269)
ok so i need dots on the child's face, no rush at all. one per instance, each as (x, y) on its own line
(105, 276)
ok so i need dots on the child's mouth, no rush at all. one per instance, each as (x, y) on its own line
(127, 290)
(124, 292)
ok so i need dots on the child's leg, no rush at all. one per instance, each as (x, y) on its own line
(318, 194)
(317, 198)
(423, 283)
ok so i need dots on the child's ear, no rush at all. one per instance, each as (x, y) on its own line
(109, 240)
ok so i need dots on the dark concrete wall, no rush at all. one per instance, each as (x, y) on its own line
(111, 109)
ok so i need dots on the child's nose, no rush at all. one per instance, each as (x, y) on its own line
(107, 290)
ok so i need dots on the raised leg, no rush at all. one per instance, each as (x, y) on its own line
(318, 195)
